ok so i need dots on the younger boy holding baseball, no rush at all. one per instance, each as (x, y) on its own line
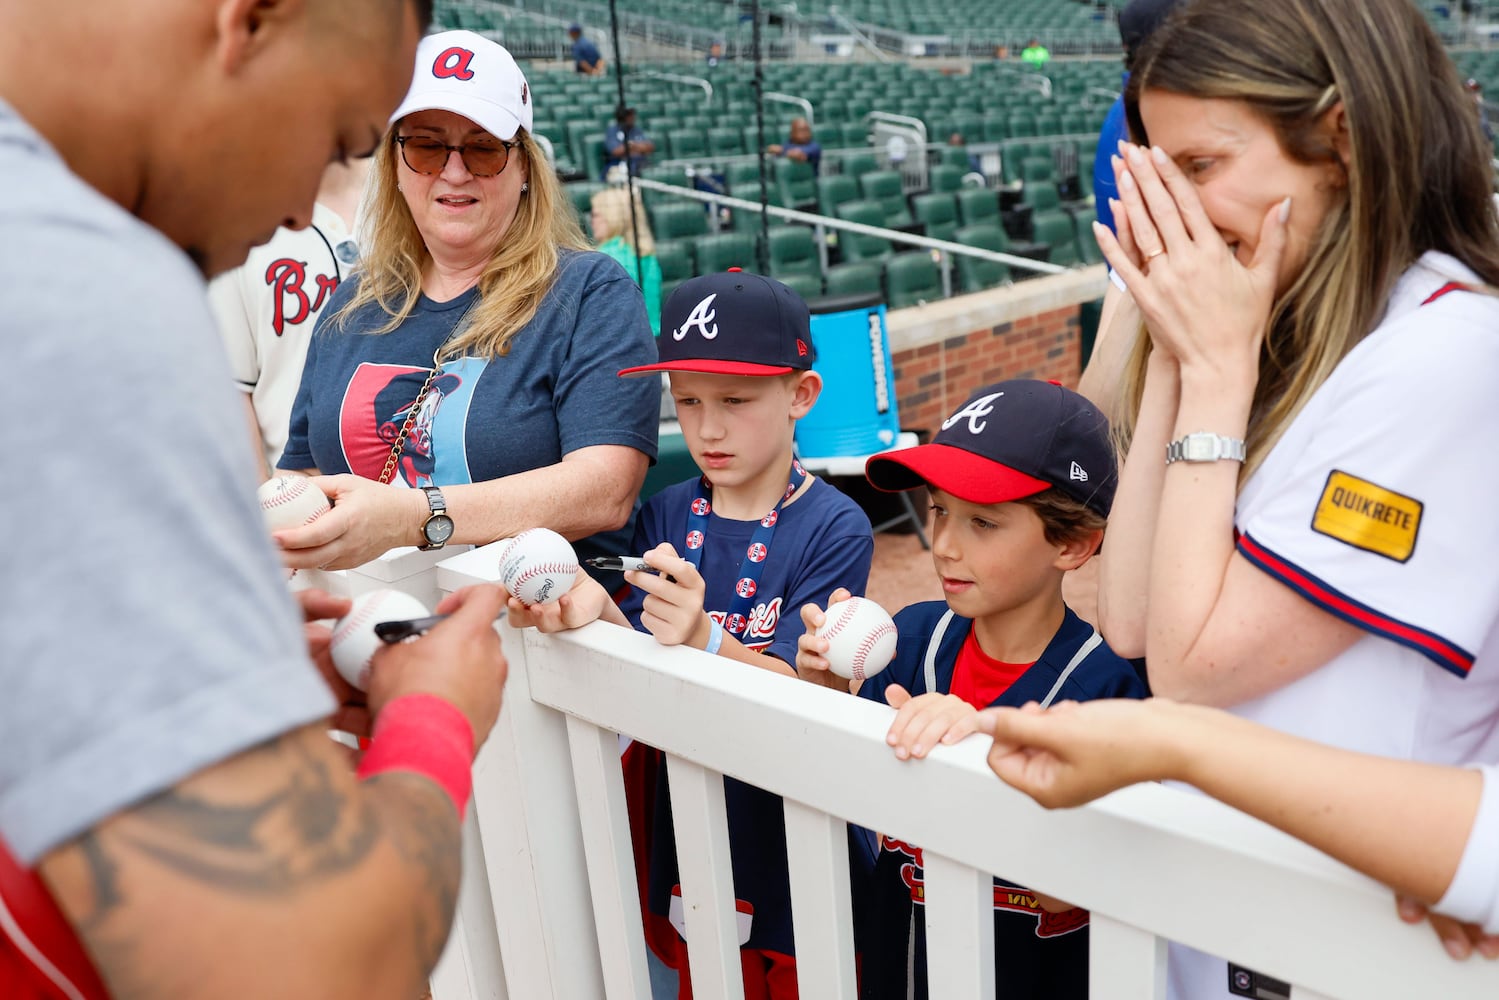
(733, 550)
(1021, 478)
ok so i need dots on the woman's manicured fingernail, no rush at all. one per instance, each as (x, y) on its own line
(1126, 181)
(1159, 155)
(1123, 145)
(1285, 210)
(1457, 948)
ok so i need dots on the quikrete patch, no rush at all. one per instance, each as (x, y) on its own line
(1368, 517)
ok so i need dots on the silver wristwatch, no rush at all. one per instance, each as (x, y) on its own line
(1204, 446)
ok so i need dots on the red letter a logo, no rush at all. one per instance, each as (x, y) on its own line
(453, 62)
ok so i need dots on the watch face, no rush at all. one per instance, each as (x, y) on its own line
(438, 529)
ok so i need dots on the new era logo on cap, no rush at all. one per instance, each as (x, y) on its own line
(1008, 441)
(734, 323)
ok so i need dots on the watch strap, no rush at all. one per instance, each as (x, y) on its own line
(1205, 446)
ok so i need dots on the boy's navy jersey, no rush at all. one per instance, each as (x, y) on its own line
(1037, 955)
(822, 542)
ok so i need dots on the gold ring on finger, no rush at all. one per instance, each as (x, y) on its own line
(1154, 254)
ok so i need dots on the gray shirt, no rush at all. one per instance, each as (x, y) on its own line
(145, 628)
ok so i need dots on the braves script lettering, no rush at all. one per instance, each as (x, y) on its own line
(286, 277)
(453, 63)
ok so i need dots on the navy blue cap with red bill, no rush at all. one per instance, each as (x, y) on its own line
(1008, 441)
(733, 323)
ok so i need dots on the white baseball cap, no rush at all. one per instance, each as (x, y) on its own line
(469, 75)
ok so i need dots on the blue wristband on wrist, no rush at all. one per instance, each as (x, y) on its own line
(715, 637)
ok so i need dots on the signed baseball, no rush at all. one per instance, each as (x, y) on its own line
(861, 638)
(354, 638)
(290, 502)
(538, 566)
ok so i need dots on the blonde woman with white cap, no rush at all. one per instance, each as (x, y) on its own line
(472, 357)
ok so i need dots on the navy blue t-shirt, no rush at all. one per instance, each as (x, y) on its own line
(1037, 955)
(585, 54)
(615, 137)
(555, 392)
(822, 542)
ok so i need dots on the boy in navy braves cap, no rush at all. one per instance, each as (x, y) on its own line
(734, 552)
(1021, 477)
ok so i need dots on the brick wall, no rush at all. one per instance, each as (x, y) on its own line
(932, 379)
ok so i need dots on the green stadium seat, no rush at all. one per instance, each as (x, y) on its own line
(688, 144)
(675, 220)
(676, 258)
(1057, 229)
(808, 286)
(721, 251)
(834, 190)
(978, 206)
(886, 187)
(955, 156)
(723, 142)
(797, 183)
(744, 180)
(858, 246)
(938, 213)
(793, 251)
(946, 179)
(854, 279)
(581, 193)
(858, 164)
(912, 279)
(975, 275)
(1041, 196)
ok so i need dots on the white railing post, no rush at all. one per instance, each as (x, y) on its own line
(700, 821)
(611, 862)
(471, 967)
(959, 929)
(528, 823)
(1126, 962)
(821, 903)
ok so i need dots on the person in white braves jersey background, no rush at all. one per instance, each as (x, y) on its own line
(469, 363)
(266, 308)
(1306, 228)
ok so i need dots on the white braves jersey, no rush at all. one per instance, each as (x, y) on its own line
(266, 310)
(1377, 505)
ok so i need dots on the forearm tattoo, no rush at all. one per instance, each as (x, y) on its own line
(305, 828)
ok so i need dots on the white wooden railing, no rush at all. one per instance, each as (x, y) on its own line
(549, 878)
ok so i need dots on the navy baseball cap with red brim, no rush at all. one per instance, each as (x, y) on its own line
(733, 323)
(1009, 441)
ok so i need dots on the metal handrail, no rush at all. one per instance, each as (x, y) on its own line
(801, 102)
(693, 81)
(821, 223)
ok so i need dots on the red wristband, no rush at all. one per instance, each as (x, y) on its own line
(425, 735)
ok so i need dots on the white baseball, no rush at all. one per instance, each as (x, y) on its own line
(290, 502)
(354, 638)
(538, 566)
(861, 638)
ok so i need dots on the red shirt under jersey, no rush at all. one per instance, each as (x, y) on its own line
(979, 678)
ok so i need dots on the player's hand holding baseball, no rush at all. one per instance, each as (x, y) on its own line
(673, 607)
(926, 720)
(459, 661)
(367, 520)
(811, 661)
(319, 606)
(587, 601)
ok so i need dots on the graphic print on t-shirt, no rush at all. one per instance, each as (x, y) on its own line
(375, 407)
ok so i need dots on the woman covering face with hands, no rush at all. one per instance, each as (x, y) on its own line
(1305, 225)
